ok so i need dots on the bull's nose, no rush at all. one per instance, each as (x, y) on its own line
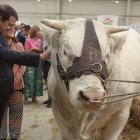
(90, 96)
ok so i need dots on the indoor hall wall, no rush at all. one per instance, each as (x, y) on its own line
(92, 8)
(31, 11)
(135, 12)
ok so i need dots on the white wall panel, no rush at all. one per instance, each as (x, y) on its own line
(94, 7)
(135, 12)
(31, 11)
(91, 8)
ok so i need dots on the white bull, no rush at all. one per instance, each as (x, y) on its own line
(76, 116)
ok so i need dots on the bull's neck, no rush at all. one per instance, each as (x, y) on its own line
(115, 72)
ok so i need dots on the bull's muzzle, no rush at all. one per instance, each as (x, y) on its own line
(90, 98)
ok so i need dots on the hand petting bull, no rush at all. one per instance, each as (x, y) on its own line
(84, 54)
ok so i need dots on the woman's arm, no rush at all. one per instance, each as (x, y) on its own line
(23, 58)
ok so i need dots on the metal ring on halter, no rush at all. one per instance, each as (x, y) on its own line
(96, 65)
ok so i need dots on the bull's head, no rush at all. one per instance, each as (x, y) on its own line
(85, 91)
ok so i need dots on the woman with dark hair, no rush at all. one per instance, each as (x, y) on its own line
(8, 57)
(15, 103)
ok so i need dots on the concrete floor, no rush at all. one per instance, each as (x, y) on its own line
(38, 122)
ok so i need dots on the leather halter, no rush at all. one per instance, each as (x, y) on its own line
(90, 60)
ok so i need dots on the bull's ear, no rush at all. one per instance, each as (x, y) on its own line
(117, 40)
(114, 29)
(55, 24)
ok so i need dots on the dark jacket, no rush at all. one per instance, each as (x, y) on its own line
(21, 38)
(7, 59)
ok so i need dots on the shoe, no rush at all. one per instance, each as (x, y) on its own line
(13, 139)
(47, 101)
(49, 105)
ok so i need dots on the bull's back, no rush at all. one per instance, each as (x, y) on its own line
(130, 57)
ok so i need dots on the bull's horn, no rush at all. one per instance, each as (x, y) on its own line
(55, 24)
(114, 29)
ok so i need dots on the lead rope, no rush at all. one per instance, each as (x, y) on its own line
(129, 95)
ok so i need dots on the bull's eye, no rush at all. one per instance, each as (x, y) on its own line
(107, 56)
(65, 53)
(107, 59)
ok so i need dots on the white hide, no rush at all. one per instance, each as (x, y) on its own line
(78, 120)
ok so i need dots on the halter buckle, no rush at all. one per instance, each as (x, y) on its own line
(97, 67)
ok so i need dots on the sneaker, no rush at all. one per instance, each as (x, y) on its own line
(49, 105)
(47, 101)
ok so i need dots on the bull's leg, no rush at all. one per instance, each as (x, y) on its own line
(67, 135)
(66, 131)
(116, 125)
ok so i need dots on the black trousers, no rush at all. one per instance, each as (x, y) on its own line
(5, 94)
(46, 67)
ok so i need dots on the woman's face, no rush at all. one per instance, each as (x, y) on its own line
(10, 33)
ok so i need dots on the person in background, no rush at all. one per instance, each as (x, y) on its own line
(23, 34)
(22, 25)
(46, 68)
(8, 57)
(33, 77)
(18, 28)
(15, 103)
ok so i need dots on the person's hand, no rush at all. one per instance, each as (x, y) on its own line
(35, 49)
(31, 50)
(40, 50)
(45, 55)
